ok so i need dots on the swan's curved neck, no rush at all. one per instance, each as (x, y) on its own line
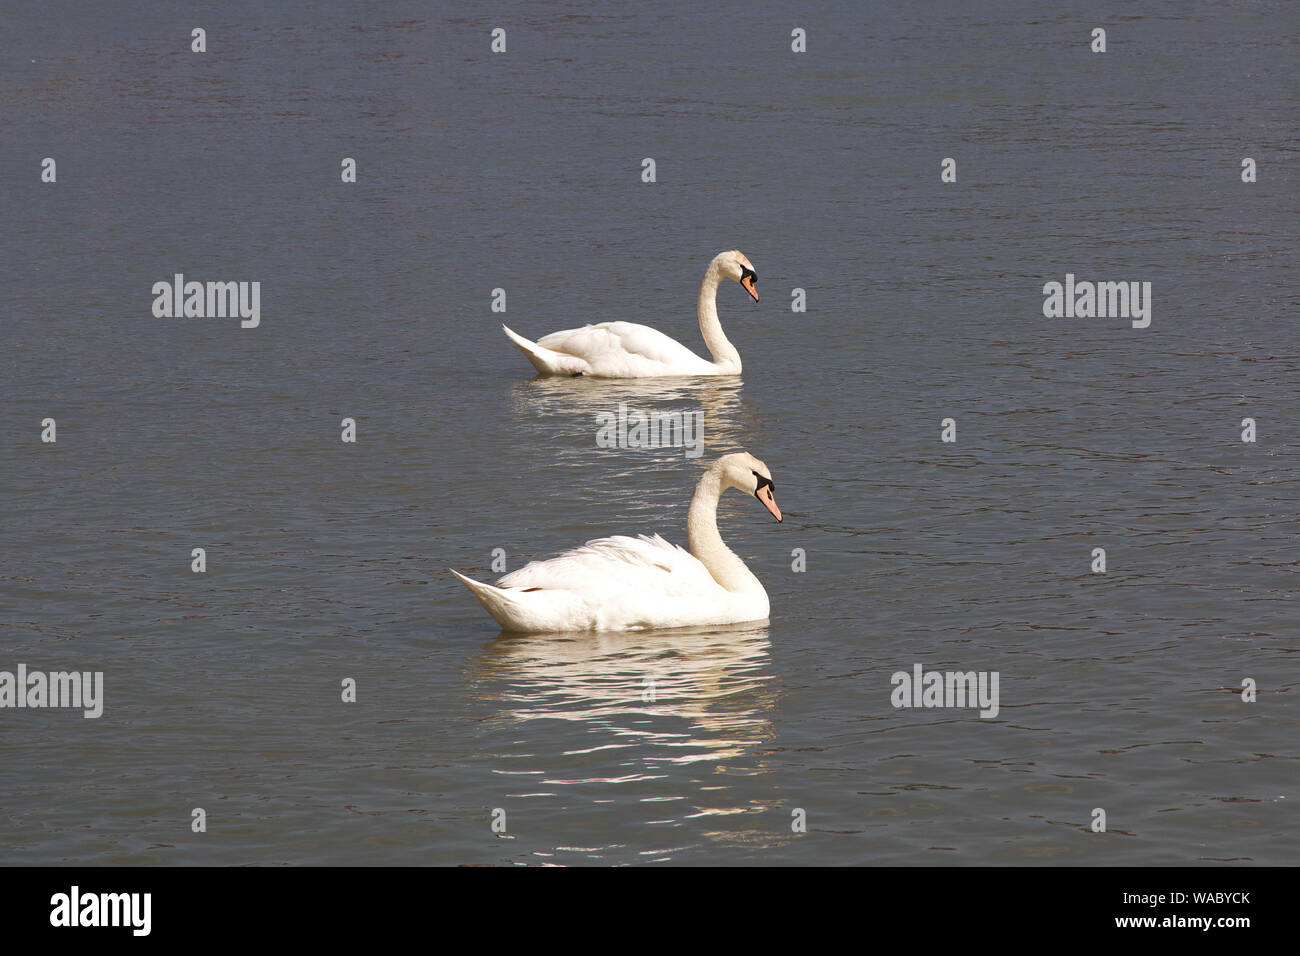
(723, 352)
(706, 544)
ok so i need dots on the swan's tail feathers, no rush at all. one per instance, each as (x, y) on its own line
(547, 361)
(496, 601)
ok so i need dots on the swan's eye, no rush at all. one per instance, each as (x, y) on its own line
(763, 483)
(751, 275)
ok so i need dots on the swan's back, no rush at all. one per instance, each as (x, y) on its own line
(607, 567)
(627, 350)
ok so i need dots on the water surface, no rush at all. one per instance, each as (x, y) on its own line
(521, 171)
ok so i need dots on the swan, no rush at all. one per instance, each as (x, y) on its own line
(628, 350)
(621, 583)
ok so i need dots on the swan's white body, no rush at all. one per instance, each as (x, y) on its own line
(623, 583)
(629, 350)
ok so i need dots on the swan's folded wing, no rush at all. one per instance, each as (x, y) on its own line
(616, 563)
(612, 340)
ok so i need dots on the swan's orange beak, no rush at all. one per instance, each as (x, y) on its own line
(765, 495)
(748, 282)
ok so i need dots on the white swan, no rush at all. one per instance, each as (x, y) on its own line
(623, 583)
(628, 350)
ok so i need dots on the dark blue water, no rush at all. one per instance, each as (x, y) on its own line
(326, 560)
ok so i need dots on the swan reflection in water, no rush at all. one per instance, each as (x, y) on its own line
(652, 727)
(706, 687)
(542, 404)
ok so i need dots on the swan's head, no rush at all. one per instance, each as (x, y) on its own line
(744, 471)
(736, 267)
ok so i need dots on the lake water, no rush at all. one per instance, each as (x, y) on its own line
(522, 171)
